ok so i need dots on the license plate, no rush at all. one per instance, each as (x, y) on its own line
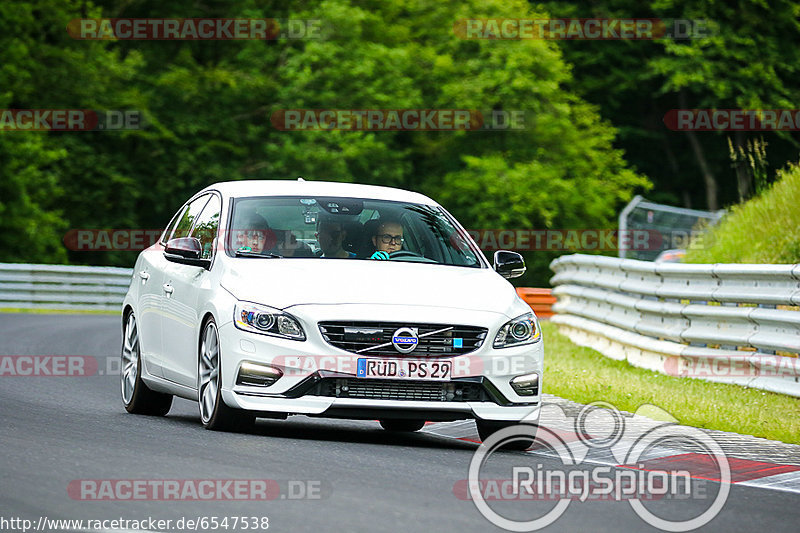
(439, 370)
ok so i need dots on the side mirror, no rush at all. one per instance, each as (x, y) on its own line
(186, 251)
(509, 264)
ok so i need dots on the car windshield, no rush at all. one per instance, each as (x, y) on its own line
(347, 228)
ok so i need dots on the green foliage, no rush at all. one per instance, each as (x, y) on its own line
(31, 226)
(32, 220)
(593, 112)
(748, 59)
(765, 229)
(208, 107)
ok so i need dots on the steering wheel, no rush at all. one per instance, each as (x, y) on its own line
(401, 254)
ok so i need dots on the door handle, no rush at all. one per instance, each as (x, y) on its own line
(168, 288)
(144, 275)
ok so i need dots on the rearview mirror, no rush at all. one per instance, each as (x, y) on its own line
(509, 264)
(186, 251)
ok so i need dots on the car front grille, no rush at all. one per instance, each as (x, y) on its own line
(375, 338)
(392, 389)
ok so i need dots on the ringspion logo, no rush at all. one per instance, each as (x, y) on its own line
(636, 478)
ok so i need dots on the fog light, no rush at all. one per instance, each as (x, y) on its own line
(257, 375)
(526, 385)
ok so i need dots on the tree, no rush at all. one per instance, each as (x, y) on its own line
(748, 61)
(208, 105)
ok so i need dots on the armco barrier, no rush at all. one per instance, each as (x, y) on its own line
(540, 300)
(723, 322)
(63, 287)
(26, 286)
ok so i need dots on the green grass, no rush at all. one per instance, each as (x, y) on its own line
(57, 311)
(585, 375)
(765, 229)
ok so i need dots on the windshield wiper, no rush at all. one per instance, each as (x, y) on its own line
(247, 253)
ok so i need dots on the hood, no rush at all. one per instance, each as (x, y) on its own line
(282, 283)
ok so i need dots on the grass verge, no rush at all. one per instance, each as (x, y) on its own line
(762, 230)
(585, 375)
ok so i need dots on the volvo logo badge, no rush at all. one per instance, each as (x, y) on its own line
(405, 340)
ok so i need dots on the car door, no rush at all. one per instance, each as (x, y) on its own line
(150, 306)
(181, 285)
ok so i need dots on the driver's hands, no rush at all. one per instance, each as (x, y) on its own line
(380, 254)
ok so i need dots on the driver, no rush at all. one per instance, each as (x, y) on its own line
(331, 236)
(388, 238)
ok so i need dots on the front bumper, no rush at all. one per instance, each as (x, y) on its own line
(372, 409)
(309, 366)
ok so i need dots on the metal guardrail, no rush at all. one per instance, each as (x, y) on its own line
(63, 287)
(730, 323)
(24, 286)
(721, 322)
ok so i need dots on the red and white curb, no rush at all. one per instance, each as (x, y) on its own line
(753, 462)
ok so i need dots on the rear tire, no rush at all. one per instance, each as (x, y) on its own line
(137, 397)
(402, 424)
(487, 427)
(214, 414)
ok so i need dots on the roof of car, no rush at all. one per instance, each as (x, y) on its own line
(316, 188)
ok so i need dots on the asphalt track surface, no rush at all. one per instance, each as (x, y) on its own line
(59, 429)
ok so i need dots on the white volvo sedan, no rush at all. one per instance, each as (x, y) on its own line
(275, 298)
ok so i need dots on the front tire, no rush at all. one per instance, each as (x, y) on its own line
(214, 414)
(137, 397)
(487, 427)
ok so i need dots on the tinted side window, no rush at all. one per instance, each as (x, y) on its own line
(186, 221)
(175, 219)
(205, 227)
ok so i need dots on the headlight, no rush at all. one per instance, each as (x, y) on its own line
(522, 330)
(267, 321)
